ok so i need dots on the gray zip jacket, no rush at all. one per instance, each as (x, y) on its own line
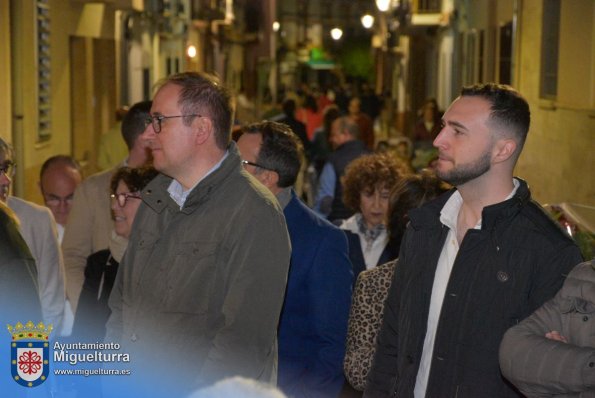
(541, 367)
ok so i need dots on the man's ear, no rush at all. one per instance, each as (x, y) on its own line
(270, 179)
(203, 126)
(504, 149)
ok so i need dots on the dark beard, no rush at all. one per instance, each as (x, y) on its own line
(464, 173)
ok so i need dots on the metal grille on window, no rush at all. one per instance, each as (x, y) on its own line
(44, 70)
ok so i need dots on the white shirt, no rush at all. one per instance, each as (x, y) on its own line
(448, 216)
(60, 229)
(371, 254)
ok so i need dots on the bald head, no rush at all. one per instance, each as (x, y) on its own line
(59, 177)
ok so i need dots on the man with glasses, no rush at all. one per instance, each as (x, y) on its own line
(200, 288)
(313, 325)
(38, 228)
(58, 178)
(90, 223)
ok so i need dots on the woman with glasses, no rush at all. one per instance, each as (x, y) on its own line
(100, 272)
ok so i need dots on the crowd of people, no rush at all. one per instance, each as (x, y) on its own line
(299, 252)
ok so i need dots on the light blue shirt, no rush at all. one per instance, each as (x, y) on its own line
(176, 190)
(326, 188)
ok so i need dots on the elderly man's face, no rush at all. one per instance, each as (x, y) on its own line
(5, 179)
(57, 187)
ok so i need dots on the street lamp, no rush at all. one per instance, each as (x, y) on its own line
(383, 5)
(276, 26)
(336, 33)
(191, 51)
(367, 21)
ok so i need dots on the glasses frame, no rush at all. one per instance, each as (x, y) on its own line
(122, 198)
(245, 162)
(155, 121)
(9, 168)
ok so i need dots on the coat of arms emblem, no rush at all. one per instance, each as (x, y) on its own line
(29, 353)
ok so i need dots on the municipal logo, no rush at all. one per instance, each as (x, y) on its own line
(30, 353)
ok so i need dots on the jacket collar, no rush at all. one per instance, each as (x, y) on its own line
(429, 214)
(155, 194)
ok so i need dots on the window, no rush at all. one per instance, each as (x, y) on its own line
(550, 38)
(505, 58)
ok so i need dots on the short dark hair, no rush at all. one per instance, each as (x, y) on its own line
(410, 192)
(289, 107)
(331, 113)
(203, 94)
(509, 109)
(281, 150)
(349, 125)
(136, 179)
(66, 160)
(134, 122)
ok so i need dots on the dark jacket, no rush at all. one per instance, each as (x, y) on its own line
(339, 159)
(92, 311)
(502, 273)
(356, 254)
(313, 324)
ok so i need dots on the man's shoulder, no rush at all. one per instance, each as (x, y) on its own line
(25, 209)
(244, 193)
(97, 181)
(299, 215)
(535, 217)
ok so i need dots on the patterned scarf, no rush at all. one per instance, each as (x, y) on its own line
(369, 234)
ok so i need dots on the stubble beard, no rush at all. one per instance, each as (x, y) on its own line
(464, 173)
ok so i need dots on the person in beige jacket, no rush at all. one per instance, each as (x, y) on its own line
(90, 223)
(552, 353)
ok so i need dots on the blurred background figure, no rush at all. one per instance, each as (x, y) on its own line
(321, 149)
(102, 266)
(427, 126)
(90, 223)
(298, 128)
(367, 184)
(38, 229)
(347, 146)
(310, 115)
(112, 149)
(372, 285)
(58, 179)
(363, 121)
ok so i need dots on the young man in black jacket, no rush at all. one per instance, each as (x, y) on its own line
(472, 263)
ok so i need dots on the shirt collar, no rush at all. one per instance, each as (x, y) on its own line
(284, 197)
(450, 211)
(176, 190)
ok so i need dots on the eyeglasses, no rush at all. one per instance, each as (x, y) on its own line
(122, 198)
(56, 201)
(245, 162)
(156, 121)
(8, 168)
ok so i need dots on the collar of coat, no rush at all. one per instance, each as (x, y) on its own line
(155, 194)
(491, 216)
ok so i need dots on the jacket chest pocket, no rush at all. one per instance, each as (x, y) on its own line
(190, 278)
